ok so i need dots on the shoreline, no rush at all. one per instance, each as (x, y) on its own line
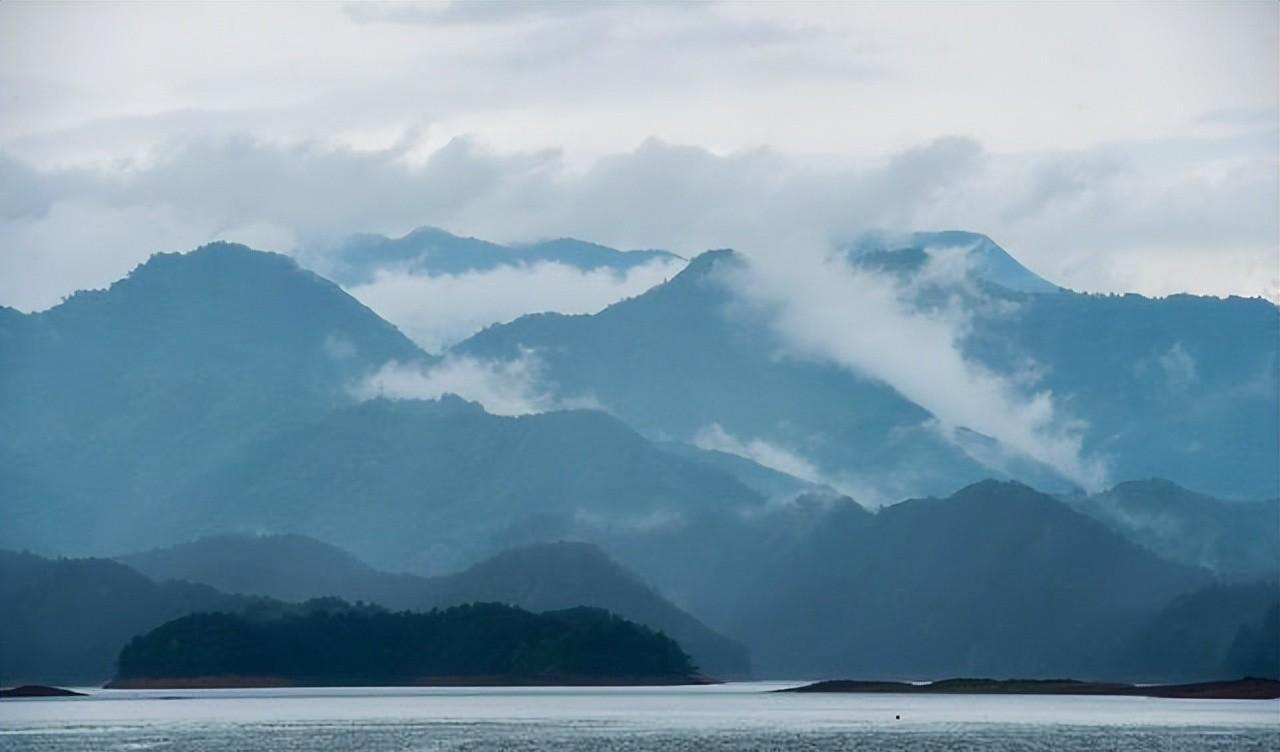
(1249, 688)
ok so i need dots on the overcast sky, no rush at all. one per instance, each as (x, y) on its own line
(1108, 146)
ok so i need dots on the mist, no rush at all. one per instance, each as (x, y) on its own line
(824, 308)
(437, 311)
(511, 387)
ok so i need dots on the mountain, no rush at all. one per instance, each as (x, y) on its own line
(212, 392)
(115, 398)
(1233, 538)
(285, 567)
(984, 260)
(544, 577)
(995, 580)
(770, 483)
(65, 620)
(432, 251)
(1221, 630)
(557, 576)
(427, 485)
(1182, 387)
(674, 362)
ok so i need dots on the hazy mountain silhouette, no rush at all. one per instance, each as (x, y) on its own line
(996, 580)
(1223, 630)
(432, 251)
(65, 620)
(211, 392)
(425, 485)
(117, 397)
(703, 367)
(1180, 387)
(538, 578)
(1233, 538)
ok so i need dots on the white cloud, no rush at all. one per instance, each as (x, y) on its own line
(714, 437)
(870, 492)
(438, 311)
(824, 308)
(503, 387)
(1204, 223)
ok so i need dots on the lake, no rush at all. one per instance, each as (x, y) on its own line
(723, 717)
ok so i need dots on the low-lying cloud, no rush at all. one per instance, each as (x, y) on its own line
(824, 308)
(714, 437)
(437, 311)
(511, 387)
(1096, 219)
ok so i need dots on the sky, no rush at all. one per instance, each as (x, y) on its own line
(1109, 147)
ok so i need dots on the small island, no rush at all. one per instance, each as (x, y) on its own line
(331, 643)
(1250, 688)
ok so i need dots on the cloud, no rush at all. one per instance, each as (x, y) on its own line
(446, 12)
(511, 387)
(714, 437)
(1173, 370)
(826, 309)
(870, 492)
(1095, 220)
(438, 311)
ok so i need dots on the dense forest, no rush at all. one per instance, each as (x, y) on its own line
(328, 642)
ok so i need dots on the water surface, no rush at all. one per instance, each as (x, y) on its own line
(725, 717)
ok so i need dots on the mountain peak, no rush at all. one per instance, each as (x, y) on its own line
(707, 262)
(986, 260)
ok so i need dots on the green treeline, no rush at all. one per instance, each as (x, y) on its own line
(332, 643)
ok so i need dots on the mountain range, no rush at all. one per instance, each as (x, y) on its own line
(67, 619)
(802, 509)
(1183, 388)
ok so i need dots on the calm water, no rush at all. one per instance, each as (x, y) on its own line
(728, 717)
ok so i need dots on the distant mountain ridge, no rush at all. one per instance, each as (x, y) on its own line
(427, 485)
(995, 580)
(124, 408)
(1223, 629)
(1182, 387)
(1234, 538)
(65, 620)
(212, 392)
(717, 369)
(433, 251)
